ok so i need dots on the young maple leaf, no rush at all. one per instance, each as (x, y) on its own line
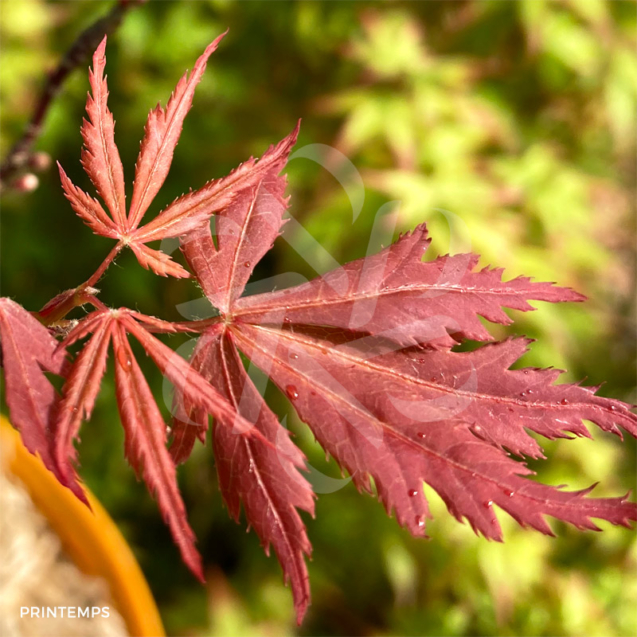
(143, 423)
(101, 161)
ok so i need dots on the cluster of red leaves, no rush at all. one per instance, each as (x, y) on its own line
(364, 353)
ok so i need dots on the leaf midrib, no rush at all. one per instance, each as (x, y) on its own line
(247, 443)
(310, 303)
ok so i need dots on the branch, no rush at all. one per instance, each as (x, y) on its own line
(76, 56)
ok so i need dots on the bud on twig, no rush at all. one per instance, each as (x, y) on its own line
(39, 161)
(27, 183)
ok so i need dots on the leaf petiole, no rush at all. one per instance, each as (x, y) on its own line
(97, 275)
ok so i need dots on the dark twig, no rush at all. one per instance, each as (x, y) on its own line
(76, 56)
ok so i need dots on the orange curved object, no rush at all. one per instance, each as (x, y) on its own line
(90, 538)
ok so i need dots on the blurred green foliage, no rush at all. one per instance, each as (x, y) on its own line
(514, 118)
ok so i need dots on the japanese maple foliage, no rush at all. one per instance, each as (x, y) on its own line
(364, 353)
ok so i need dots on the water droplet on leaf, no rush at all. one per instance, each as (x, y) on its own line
(292, 392)
(124, 358)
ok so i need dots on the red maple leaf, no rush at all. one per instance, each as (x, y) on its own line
(364, 353)
(102, 164)
(28, 350)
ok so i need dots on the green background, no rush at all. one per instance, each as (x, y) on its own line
(516, 116)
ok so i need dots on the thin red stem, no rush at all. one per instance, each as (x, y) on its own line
(197, 326)
(97, 275)
(182, 327)
(57, 308)
(95, 302)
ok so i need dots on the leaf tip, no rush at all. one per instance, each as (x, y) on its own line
(100, 52)
(196, 568)
(301, 610)
(215, 43)
(72, 484)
